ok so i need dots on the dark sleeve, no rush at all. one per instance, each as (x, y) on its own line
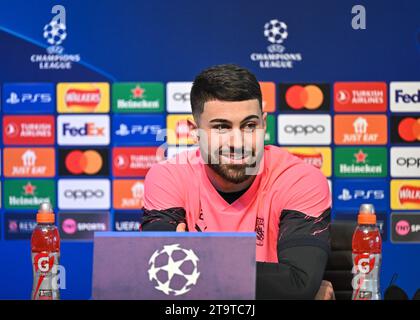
(162, 220)
(303, 249)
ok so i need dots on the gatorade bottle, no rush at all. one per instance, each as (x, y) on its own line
(367, 247)
(45, 247)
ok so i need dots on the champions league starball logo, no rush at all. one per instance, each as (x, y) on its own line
(276, 32)
(174, 270)
(54, 33)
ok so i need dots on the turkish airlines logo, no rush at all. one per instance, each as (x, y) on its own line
(23, 130)
(134, 161)
(90, 162)
(304, 97)
(298, 130)
(360, 96)
(85, 130)
(360, 129)
(84, 194)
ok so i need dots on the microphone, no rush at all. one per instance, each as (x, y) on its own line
(394, 292)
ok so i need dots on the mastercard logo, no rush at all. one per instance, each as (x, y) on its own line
(309, 97)
(84, 162)
(409, 129)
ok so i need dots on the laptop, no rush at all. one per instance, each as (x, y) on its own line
(174, 265)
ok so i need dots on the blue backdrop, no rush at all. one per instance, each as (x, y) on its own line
(164, 41)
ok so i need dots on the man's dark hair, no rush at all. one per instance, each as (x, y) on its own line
(225, 82)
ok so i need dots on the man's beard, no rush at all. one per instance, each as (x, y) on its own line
(235, 173)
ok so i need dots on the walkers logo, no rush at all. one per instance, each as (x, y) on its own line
(28, 194)
(82, 226)
(128, 194)
(178, 97)
(405, 227)
(180, 128)
(360, 162)
(405, 162)
(349, 194)
(84, 194)
(82, 97)
(404, 96)
(19, 226)
(55, 32)
(28, 98)
(405, 129)
(304, 97)
(320, 158)
(304, 129)
(124, 221)
(360, 129)
(135, 162)
(137, 97)
(276, 56)
(24, 130)
(268, 90)
(270, 133)
(83, 130)
(405, 194)
(29, 162)
(360, 96)
(86, 162)
(144, 130)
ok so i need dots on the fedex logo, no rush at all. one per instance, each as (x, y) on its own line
(89, 129)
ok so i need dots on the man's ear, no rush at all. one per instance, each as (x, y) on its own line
(195, 132)
(264, 119)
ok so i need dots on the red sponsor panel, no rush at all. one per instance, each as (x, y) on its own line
(360, 97)
(135, 162)
(28, 130)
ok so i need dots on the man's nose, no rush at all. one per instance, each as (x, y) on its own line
(236, 139)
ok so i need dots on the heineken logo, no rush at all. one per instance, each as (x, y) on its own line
(137, 97)
(360, 162)
(28, 194)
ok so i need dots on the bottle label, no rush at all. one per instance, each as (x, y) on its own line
(45, 270)
(365, 281)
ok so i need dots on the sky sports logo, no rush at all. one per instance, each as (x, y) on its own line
(144, 130)
(405, 162)
(85, 194)
(405, 227)
(30, 98)
(24, 130)
(82, 226)
(405, 96)
(360, 96)
(304, 129)
(304, 97)
(83, 130)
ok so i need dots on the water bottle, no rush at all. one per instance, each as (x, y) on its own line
(45, 248)
(366, 255)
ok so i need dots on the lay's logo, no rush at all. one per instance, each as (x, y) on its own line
(83, 97)
(409, 194)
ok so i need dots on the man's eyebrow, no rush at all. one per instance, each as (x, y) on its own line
(250, 117)
(220, 120)
(253, 116)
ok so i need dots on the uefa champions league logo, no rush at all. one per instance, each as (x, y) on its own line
(55, 31)
(174, 270)
(276, 32)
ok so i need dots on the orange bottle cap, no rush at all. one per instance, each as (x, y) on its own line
(366, 218)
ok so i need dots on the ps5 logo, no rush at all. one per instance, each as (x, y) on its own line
(347, 195)
(125, 130)
(15, 98)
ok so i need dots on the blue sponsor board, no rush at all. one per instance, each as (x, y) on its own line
(28, 98)
(141, 130)
(127, 221)
(19, 226)
(349, 194)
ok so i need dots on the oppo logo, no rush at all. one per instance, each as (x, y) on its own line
(181, 96)
(304, 129)
(408, 162)
(83, 194)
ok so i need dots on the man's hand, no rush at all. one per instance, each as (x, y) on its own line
(181, 227)
(325, 292)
